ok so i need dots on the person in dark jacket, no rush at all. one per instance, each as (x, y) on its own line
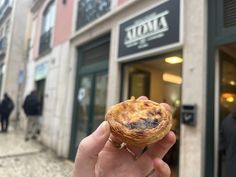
(31, 108)
(6, 107)
(228, 142)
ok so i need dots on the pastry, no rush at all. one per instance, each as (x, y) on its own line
(139, 122)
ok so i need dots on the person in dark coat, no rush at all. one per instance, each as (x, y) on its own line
(31, 108)
(228, 142)
(6, 107)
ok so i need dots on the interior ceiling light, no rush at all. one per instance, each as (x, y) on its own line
(173, 60)
(232, 82)
(172, 78)
(230, 99)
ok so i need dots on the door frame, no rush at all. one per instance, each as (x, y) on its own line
(217, 35)
(93, 75)
(80, 72)
(122, 78)
(217, 111)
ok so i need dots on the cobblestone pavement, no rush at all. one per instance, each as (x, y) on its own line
(29, 159)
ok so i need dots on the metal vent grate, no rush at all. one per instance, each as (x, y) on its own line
(229, 13)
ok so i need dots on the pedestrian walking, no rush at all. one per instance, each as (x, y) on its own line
(228, 142)
(32, 108)
(6, 107)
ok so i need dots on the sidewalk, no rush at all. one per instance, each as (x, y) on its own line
(29, 159)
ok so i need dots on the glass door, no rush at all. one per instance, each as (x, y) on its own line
(84, 102)
(91, 105)
(100, 97)
(90, 90)
(40, 87)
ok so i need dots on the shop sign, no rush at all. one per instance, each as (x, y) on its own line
(41, 71)
(153, 29)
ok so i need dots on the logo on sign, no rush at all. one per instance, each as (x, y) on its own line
(146, 29)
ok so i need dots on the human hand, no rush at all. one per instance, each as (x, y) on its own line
(99, 157)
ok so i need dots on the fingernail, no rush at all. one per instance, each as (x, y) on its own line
(102, 129)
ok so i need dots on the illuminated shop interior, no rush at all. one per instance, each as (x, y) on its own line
(227, 79)
(160, 79)
(227, 94)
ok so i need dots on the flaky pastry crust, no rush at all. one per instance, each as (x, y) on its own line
(139, 122)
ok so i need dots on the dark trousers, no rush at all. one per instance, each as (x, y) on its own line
(4, 122)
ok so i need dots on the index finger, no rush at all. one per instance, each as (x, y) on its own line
(167, 107)
(142, 98)
(160, 148)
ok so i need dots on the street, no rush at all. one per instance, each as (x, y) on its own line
(29, 159)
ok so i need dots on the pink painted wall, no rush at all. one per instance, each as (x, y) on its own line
(37, 35)
(63, 23)
(38, 18)
(120, 2)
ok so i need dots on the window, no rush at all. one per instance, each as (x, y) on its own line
(48, 17)
(47, 26)
(229, 13)
(90, 10)
(1, 2)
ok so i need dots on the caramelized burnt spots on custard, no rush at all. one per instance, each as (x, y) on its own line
(139, 122)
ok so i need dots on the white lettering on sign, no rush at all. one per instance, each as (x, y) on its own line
(143, 30)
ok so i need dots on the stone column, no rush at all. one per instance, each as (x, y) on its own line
(194, 87)
(114, 70)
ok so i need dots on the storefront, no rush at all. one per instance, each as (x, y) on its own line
(154, 50)
(90, 89)
(221, 76)
(151, 63)
(41, 71)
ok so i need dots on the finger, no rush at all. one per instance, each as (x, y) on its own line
(142, 98)
(167, 107)
(88, 151)
(162, 168)
(160, 148)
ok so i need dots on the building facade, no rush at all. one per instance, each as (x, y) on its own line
(88, 55)
(12, 48)
(48, 58)
(152, 48)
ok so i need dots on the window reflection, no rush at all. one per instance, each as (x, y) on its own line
(90, 10)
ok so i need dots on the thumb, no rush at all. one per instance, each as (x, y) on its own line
(88, 151)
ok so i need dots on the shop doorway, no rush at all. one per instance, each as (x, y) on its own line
(227, 100)
(90, 90)
(160, 79)
(40, 88)
(91, 103)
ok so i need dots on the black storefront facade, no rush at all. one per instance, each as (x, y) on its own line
(221, 78)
